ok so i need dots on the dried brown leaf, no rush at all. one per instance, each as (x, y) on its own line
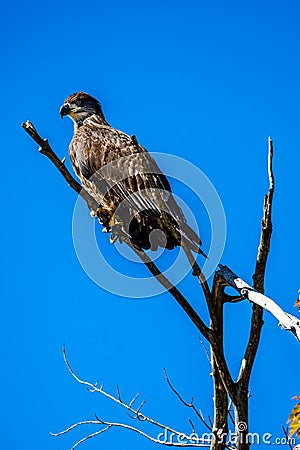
(294, 420)
(297, 304)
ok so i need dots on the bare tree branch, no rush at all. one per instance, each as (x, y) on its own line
(259, 274)
(92, 387)
(75, 425)
(89, 436)
(183, 439)
(266, 227)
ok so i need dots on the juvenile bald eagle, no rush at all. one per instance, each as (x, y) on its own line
(124, 179)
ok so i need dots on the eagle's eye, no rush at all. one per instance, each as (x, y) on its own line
(78, 102)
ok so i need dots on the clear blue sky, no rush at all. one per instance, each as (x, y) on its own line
(206, 81)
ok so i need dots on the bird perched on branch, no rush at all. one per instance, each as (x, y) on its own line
(133, 195)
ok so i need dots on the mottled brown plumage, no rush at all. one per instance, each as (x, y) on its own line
(124, 179)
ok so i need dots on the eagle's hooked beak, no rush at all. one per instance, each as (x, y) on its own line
(64, 110)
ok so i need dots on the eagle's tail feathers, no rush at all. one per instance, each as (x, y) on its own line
(192, 245)
(191, 239)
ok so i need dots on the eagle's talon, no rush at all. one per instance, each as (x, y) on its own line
(113, 238)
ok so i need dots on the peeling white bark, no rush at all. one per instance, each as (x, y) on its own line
(286, 321)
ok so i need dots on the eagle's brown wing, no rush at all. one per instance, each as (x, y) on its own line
(123, 177)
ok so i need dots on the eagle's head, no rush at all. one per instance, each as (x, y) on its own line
(79, 106)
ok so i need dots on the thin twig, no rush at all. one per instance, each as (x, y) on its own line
(139, 409)
(205, 350)
(285, 431)
(119, 395)
(189, 405)
(192, 426)
(133, 400)
(198, 273)
(229, 412)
